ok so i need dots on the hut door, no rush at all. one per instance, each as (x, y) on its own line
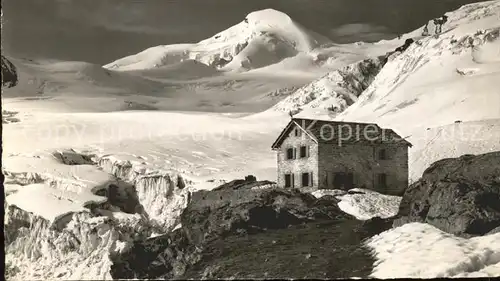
(338, 180)
(329, 180)
(349, 181)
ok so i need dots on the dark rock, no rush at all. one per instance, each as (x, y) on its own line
(460, 196)
(250, 178)
(355, 192)
(231, 230)
(377, 225)
(247, 183)
(405, 46)
(221, 62)
(399, 49)
(71, 157)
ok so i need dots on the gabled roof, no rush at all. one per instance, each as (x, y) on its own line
(337, 132)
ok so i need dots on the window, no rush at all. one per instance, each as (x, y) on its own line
(306, 179)
(382, 154)
(288, 180)
(297, 132)
(382, 180)
(290, 153)
(304, 151)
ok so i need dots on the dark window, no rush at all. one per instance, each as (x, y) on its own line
(303, 152)
(297, 132)
(288, 180)
(382, 180)
(289, 153)
(306, 179)
(382, 154)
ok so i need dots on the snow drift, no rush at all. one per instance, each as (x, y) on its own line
(418, 250)
(363, 204)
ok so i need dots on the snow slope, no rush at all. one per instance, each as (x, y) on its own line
(418, 250)
(263, 38)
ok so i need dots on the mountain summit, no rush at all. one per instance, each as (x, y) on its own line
(263, 38)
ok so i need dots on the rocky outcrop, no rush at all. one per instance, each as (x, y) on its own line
(336, 90)
(460, 196)
(9, 73)
(161, 194)
(242, 232)
(398, 50)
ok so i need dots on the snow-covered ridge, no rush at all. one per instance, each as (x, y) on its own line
(334, 91)
(263, 38)
(459, 20)
(422, 70)
(471, 31)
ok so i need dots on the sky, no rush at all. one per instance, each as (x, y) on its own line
(101, 31)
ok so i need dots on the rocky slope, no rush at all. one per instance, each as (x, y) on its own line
(241, 232)
(336, 90)
(460, 196)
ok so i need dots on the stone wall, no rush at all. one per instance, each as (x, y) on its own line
(299, 165)
(364, 163)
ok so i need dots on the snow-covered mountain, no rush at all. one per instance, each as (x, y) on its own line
(262, 38)
(466, 48)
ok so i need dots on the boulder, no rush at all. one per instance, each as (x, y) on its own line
(460, 196)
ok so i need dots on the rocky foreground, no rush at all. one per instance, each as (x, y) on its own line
(236, 231)
(239, 232)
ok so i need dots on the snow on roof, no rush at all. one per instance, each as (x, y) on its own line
(328, 131)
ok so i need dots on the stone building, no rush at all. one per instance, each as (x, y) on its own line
(317, 154)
